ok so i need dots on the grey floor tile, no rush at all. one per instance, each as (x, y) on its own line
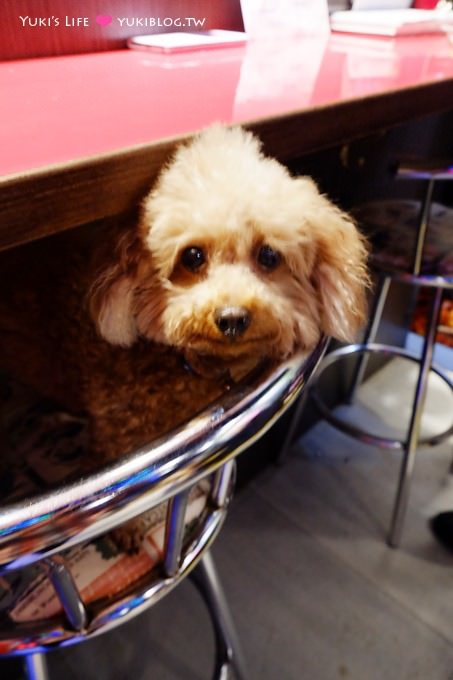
(341, 492)
(340, 512)
(305, 614)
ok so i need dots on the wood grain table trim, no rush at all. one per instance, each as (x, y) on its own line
(47, 201)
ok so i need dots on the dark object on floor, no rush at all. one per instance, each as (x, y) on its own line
(442, 527)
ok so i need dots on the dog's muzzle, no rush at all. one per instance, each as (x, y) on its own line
(232, 322)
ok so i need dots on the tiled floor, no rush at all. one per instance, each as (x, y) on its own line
(315, 592)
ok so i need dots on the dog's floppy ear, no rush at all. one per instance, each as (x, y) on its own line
(111, 296)
(340, 274)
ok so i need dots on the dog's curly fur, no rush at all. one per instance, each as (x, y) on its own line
(224, 229)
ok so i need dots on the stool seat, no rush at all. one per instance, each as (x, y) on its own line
(61, 580)
(391, 226)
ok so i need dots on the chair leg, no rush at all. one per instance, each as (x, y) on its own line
(410, 446)
(36, 667)
(370, 334)
(228, 652)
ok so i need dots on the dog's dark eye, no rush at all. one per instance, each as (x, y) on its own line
(268, 258)
(192, 258)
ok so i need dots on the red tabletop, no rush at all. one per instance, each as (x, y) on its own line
(54, 110)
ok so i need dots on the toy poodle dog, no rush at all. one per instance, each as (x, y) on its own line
(232, 261)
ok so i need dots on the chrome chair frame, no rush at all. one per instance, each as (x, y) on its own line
(41, 530)
(432, 173)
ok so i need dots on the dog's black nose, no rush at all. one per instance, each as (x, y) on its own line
(232, 321)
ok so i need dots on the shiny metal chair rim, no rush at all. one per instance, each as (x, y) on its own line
(438, 170)
(55, 521)
(356, 432)
(40, 636)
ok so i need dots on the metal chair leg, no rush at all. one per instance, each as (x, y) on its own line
(228, 651)
(407, 466)
(370, 334)
(36, 667)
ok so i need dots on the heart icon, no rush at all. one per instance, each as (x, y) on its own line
(103, 19)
